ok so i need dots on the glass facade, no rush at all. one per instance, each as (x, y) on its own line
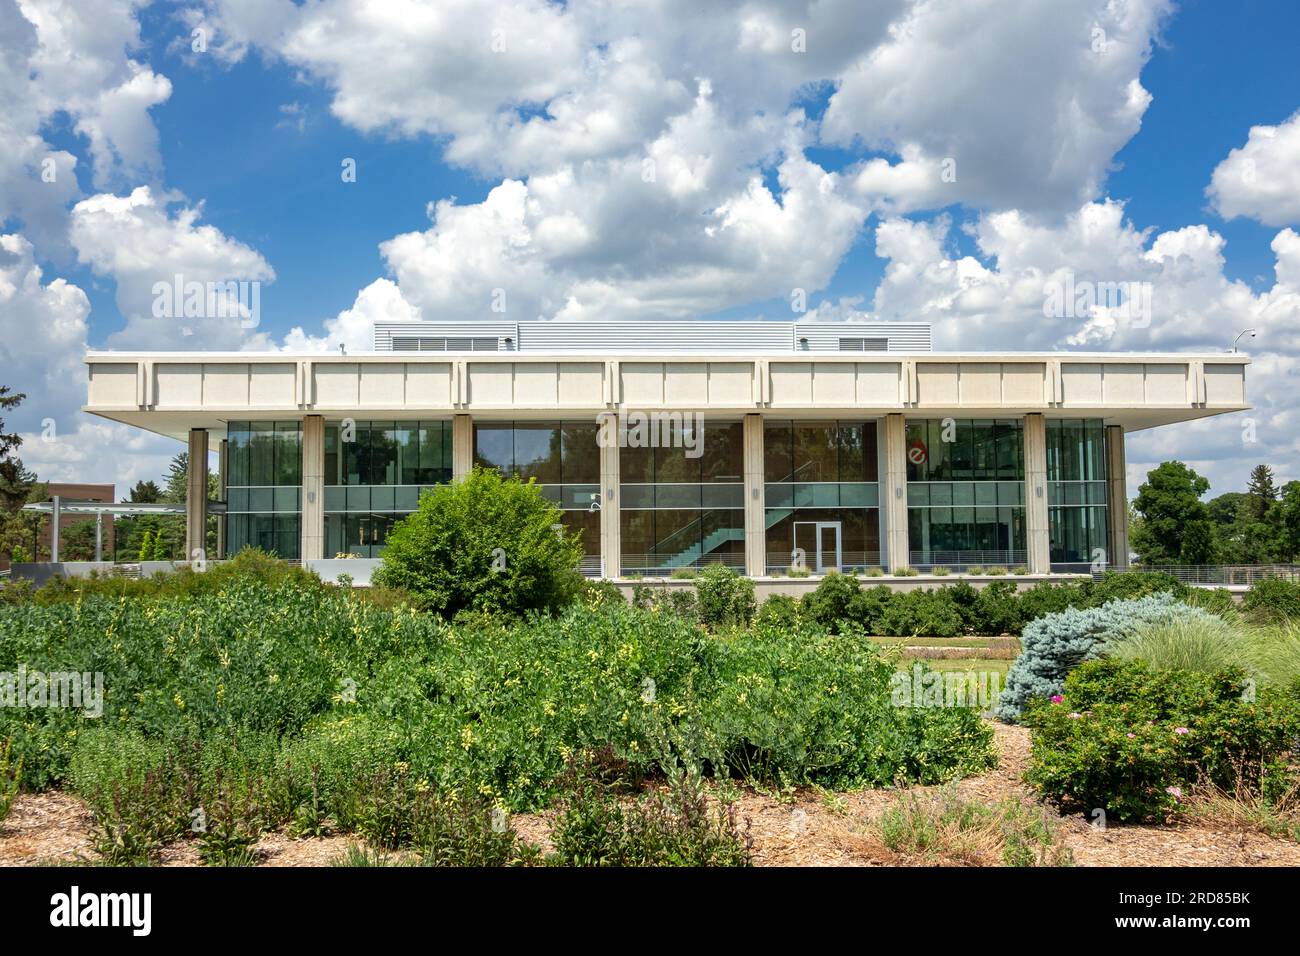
(1076, 492)
(682, 500)
(374, 473)
(965, 492)
(263, 487)
(822, 497)
(562, 457)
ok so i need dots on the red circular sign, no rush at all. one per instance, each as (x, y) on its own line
(917, 453)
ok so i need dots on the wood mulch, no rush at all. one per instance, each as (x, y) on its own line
(806, 830)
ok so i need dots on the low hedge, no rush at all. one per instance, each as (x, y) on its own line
(841, 605)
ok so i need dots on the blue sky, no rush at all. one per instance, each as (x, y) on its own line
(776, 171)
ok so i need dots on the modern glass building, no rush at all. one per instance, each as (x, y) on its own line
(771, 447)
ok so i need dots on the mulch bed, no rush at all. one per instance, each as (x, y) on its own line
(54, 827)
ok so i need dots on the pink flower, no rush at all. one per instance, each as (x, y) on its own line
(1057, 698)
(1130, 736)
(1174, 792)
(1181, 730)
(1075, 716)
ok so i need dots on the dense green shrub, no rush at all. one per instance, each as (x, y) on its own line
(484, 543)
(995, 610)
(866, 609)
(1052, 645)
(779, 610)
(828, 604)
(1133, 741)
(667, 599)
(804, 707)
(1127, 585)
(726, 598)
(921, 613)
(1273, 600)
(1046, 598)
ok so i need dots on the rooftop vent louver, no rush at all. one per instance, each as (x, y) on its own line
(864, 345)
(410, 343)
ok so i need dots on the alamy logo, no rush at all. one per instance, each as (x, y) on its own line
(74, 909)
(230, 299)
(683, 430)
(63, 690)
(1071, 298)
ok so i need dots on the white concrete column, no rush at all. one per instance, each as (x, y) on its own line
(755, 513)
(1038, 534)
(196, 495)
(611, 529)
(893, 495)
(1116, 498)
(462, 446)
(313, 488)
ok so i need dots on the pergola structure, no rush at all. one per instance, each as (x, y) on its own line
(57, 508)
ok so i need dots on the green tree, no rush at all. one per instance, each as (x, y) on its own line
(1261, 492)
(18, 486)
(145, 492)
(1169, 502)
(486, 543)
(1289, 521)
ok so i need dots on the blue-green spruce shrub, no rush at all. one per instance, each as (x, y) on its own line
(1054, 644)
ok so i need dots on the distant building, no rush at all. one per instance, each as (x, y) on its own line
(76, 491)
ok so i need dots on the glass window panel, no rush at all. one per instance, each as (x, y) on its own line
(579, 497)
(636, 464)
(677, 496)
(638, 496)
(673, 466)
(538, 452)
(286, 499)
(778, 495)
(723, 452)
(262, 453)
(237, 499)
(261, 499)
(636, 534)
(816, 452)
(335, 498)
(859, 495)
(383, 453)
(382, 498)
(237, 453)
(918, 495)
(494, 447)
(778, 460)
(332, 458)
(918, 460)
(581, 453)
(359, 498)
(406, 498)
(722, 496)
